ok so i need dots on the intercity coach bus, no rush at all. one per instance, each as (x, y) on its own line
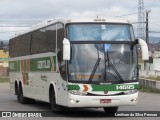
(88, 62)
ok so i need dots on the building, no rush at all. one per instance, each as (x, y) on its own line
(3, 63)
(154, 61)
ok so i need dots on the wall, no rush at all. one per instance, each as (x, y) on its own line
(150, 83)
(156, 64)
(154, 73)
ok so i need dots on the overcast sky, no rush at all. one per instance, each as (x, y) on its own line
(29, 12)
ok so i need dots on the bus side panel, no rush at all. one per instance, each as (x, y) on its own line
(36, 73)
(61, 88)
(13, 78)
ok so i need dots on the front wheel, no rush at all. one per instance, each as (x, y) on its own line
(54, 107)
(110, 110)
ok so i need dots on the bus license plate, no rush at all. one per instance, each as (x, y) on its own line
(105, 100)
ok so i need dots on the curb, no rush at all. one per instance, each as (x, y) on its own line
(150, 83)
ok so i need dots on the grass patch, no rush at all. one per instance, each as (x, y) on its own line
(4, 79)
(149, 89)
(153, 78)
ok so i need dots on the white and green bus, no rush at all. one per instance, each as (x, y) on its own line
(77, 63)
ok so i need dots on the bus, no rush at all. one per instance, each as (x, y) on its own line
(77, 63)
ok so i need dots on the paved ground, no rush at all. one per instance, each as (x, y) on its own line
(8, 102)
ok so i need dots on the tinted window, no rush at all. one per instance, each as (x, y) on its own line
(50, 33)
(97, 32)
(39, 41)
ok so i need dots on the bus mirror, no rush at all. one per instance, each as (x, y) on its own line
(66, 49)
(144, 49)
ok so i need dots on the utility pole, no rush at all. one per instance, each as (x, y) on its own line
(147, 31)
(140, 27)
(146, 63)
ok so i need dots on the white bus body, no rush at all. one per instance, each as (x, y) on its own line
(37, 68)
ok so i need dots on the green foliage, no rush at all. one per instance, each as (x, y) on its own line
(154, 78)
(149, 89)
(4, 79)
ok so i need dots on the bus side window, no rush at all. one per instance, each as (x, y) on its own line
(35, 42)
(50, 38)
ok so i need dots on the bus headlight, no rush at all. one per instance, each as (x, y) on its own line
(130, 92)
(77, 92)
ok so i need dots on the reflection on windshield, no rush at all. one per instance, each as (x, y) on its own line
(94, 32)
(87, 57)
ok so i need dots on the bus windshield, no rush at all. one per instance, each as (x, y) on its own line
(100, 62)
(94, 32)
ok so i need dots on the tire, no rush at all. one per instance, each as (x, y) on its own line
(16, 88)
(30, 101)
(110, 110)
(21, 98)
(54, 107)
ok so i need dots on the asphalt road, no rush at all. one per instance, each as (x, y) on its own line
(8, 102)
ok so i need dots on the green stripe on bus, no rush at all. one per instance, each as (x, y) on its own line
(73, 87)
(18, 65)
(13, 66)
(121, 87)
(40, 64)
(36, 65)
(54, 58)
(114, 87)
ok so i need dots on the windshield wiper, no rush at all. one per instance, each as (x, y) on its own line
(95, 67)
(113, 67)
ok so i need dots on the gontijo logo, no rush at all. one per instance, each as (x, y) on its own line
(43, 64)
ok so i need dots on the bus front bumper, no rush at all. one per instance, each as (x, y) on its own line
(102, 101)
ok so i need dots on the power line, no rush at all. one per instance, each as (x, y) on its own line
(14, 26)
(21, 21)
(11, 31)
(126, 15)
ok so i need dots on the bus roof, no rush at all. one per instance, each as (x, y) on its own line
(71, 20)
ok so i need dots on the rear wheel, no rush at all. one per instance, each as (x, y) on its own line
(16, 88)
(110, 110)
(21, 98)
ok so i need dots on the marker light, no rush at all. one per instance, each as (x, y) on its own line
(73, 101)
